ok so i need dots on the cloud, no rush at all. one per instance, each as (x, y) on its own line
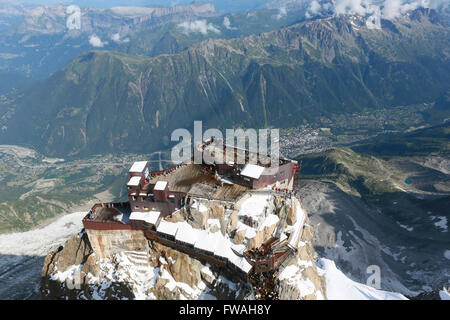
(95, 41)
(374, 20)
(198, 26)
(365, 8)
(392, 9)
(315, 8)
(227, 24)
(373, 10)
(282, 13)
(116, 38)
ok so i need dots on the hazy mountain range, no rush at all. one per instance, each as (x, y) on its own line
(106, 101)
(36, 41)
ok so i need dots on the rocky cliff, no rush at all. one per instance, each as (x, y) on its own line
(74, 271)
(301, 280)
(123, 265)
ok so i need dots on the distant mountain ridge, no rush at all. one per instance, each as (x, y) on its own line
(106, 101)
(36, 41)
(52, 19)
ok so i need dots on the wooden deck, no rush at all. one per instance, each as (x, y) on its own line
(110, 214)
(181, 179)
(193, 180)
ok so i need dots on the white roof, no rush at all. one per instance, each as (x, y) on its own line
(206, 241)
(153, 217)
(160, 185)
(222, 248)
(239, 248)
(186, 233)
(150, 217)
(252, 171)
(240, 262)
(201, 239)
(138, 166)
(134, 181)
(166, 227)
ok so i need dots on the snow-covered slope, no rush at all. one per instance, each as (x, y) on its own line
(41, 241)
(22, 255)
(444, 294)
(339, 287)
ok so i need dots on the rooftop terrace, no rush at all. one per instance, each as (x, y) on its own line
(115, 213)
(192, 179)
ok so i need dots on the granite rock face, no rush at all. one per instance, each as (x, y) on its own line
(301, 280)
(155, 271)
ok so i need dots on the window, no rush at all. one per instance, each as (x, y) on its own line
(136, 207)
(172, 200)
(146, 208)
(134, 198)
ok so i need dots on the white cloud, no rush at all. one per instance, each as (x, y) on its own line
(95, 41)
(358, 7)
(392, 8)
(282, 13)
(314, 9)
(198, 26)
(374, 21)
(116, 38)
(227, 24)
(373, 10)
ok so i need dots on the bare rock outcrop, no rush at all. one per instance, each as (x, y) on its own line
(301, 278)
(239, 236)
(261, 236)
(291, 216)
(74, 271)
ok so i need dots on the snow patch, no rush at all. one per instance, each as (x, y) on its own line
(293, 276)
(447, 254)
(442, 222)
(339, 287)
(254, 206)
(444, 294)
(410, 229)
(39, 242)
